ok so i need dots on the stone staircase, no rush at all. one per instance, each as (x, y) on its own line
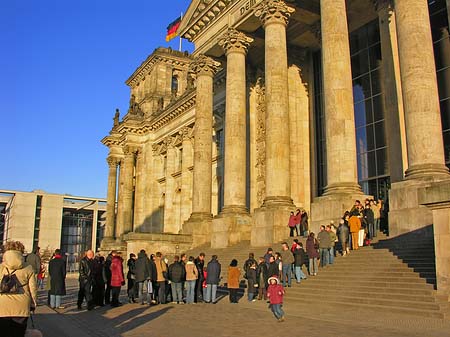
(391, 276)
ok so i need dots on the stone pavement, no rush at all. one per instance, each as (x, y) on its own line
(221, 320)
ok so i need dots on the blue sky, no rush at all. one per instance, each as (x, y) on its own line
(63, 64)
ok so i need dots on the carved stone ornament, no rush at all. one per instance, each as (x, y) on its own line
(204, 65)
(382, 4)
(129, 150)
(269, 11)
(187, 133)
(235, 41)
(112, 161)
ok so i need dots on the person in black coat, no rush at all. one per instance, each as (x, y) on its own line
(142, 274)
(98, 287)
(107, 278)
(262, 276)
(213, 270)
(131, 278)
(300, 259)
(86, 280)
(272, 269)
(177, 275)
(57, 271)
(199, 263)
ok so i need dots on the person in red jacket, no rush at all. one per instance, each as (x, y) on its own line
(275, 293)
(117, 278)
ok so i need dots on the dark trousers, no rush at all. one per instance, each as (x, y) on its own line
(85, 292)
(233, 295)
(115, 292)
(198, 289)
(108, 293)
(162, 292)
(98, 294)
(132, 289)
(13, 326)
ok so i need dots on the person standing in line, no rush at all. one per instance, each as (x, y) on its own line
(107, 278)
(333, 238)
(191, 279)
(342, 234)
(299, 260)
(287, 259)
(233, 280)
(355, 225)
(161, 278)
(213, 270)
(117, 278)
(298, 220)
(34, 260)
(177, 275)
(16, 305)
(98, 275)
(86, 280)
(311, 250)
(292, 223)
(262, 275)
(376, 217)
(57, 270)
(142, 273)
(275, 293)
(200, 264)
(324, 246)
(252, 283)
(131, 278)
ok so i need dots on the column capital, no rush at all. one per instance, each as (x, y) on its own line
(112, 161)
(273, 11)
(130, 150)
(382, 4)
(204, 65)
(187, 133)
(234, 41)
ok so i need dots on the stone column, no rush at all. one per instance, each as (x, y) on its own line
(186, 174)
(170, 221)
(420, 93)
(205, 68)
(338, 100)
(235, 45)
(111, 198)
(125, 214)
(274, 15)
(391, 89)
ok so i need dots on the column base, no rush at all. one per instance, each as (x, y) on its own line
(327, 208)
(278, 201)
(406, 213)
(270, 225)
(427, 172)
(199, 226)
(342, 188)
(229, 229)
(233, 209)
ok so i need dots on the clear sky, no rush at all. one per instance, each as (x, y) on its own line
(63, 64)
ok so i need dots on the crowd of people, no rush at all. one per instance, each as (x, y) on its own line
(152, 280)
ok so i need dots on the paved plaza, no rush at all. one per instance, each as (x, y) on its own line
(222, 320)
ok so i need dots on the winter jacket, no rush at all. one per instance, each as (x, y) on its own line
(161, 269)
(300, 257)
(310, 248)
(142, 267)
(177, 273)
(213, 269)
(233, 277)
(252, 280)
(273, 270)
(292, 221)
(262, 274)
(333, 238)
(368, 215)
(287, 257)
(342, 232)
(117, 272)
(57, 271)
(34, 261)
(324, 239)
(275, 292)
(199, 264)
(86, 266)
(18, 305)
(191, 271)
(131, 264)
(355, 224)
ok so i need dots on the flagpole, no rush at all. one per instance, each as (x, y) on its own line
(179, 48)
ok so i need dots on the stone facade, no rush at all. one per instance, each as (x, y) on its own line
(260, 120)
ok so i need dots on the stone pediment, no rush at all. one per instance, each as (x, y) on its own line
(200, 14)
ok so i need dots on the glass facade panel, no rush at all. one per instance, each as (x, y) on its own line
(76, 234)
(361, 88)
(441, 45)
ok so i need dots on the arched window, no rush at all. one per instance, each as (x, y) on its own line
(174, 85)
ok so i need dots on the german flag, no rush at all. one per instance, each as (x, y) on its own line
(172, 29)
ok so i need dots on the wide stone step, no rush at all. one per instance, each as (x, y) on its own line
(370, 289)
(303, 290)
(368, 300)
(379, 284)
(358, 274)
(309, 305)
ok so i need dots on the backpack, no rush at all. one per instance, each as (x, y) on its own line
(9, 284)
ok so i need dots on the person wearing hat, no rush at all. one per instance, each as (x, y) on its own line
(275, 293)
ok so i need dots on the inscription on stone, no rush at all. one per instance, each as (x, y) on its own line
(247, 6)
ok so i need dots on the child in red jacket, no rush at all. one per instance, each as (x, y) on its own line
(275, 294)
